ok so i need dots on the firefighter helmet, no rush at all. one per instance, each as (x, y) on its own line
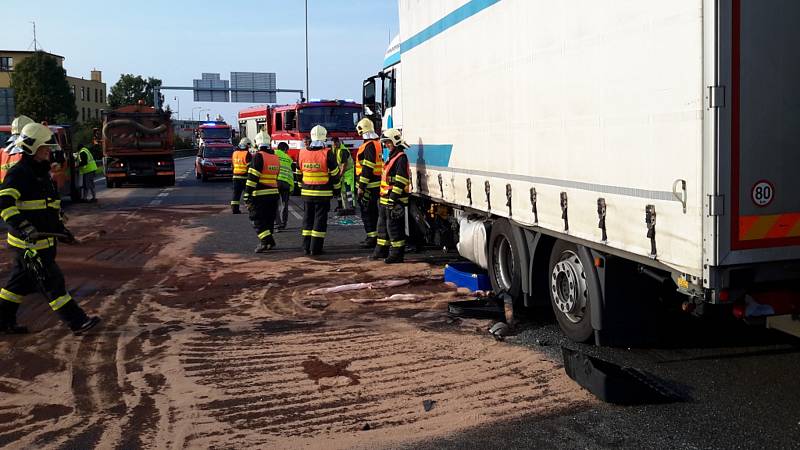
(33, 136)
(19, 123)
(319, 133)
(263, 139)
(394, 136)
(365, 125)
(244, 143)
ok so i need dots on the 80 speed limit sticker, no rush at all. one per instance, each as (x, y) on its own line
(763, 193)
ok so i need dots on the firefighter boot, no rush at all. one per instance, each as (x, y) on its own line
(77, 320)
(369, 242)
(235, 209)
(396, 256)
(8, 319)
(266, 244)
(316, 246)
(380, 252)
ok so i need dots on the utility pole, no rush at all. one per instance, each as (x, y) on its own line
(308, 95)
(35, 42)
(179, 106)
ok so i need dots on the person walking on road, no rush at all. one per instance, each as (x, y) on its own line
(285, 184)
(10, 155)
(30, 206)
(261, 191)
(345, 160)
(320, 177)
(369, 166)
(394, 190)
(241, 158)
(87, 167)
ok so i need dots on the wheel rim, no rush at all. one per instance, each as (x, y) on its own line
(503, 263)
(568, 287)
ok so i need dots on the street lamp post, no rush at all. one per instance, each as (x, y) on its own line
(308, 95)
(179, 106)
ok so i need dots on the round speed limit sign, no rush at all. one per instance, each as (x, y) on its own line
(763, 193)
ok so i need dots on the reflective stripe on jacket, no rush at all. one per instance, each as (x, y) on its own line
(396, 180)
(285, 174)
(320, 173)
(239, 160)
(369, 165)
(264, 180)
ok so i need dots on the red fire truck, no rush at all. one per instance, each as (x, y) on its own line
(292, 123)
(214, 132)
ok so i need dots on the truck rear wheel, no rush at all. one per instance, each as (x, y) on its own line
(504, 260)
(569, 292)
(109, 184)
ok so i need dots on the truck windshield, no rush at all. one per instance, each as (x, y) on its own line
(218, 152)
(333, 118)
(215, 133)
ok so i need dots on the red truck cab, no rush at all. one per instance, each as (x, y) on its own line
(214, 161)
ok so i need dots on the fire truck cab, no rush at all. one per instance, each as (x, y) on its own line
(292, 123)
(214, 132)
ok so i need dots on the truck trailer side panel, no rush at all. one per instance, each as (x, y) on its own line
(578, 100)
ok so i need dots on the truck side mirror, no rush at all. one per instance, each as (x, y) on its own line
(369, 95)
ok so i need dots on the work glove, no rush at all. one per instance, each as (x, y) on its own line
(397, 211)
(28, 232)
(68, 237)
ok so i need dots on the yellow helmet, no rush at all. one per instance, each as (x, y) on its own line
(263, 139)
(319, 133)
(244, 143)
(33, 136)
(19, 123)
(394, 136)
(365, 125)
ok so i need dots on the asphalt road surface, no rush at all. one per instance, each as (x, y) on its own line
(205, 344)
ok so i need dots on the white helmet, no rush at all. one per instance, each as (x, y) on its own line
(33, 136)
(394, 136)
(365, 125)
(19, 123)
(263, 139)
(244, 143)
(319, 133)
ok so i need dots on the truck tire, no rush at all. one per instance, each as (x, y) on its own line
(109, 184)
(569, 292)
(505, 254)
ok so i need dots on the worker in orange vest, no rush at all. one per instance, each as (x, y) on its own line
(10, 155)
(369, 166)
(394, 190)
(320, 178)
(241, 158)
(261, 191)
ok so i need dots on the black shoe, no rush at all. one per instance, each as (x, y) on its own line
(394, 259)
(318, 253)
(264, 247)
(236, 210)
(86, 326)
(306, 251)
(13, 329)
(379, 253)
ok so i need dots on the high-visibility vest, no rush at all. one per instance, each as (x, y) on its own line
(386, 187)
(7, 161)
(313, 165)
(285, 174)
(378, 169)
(344, 159)
(91, 165)
(270, 168)
(239, 160)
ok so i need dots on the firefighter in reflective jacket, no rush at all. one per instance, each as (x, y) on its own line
(285, 184)
(261, 191)
(320, 178)
(394, 190)
(241, 158)
(10, 155)
(344, 159)
(30, 206)
(369, 166)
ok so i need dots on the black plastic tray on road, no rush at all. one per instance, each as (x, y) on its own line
(486, 308)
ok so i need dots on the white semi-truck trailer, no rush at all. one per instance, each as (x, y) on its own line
(583, 144)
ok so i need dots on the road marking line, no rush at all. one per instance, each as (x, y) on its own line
(163, 194)
(295, 213)
(155, 202)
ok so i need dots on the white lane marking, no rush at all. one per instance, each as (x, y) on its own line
(100, 180)
(155, 202)
(295, 213)
(163, 194)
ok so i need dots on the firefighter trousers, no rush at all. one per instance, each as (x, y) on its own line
(391, 233)
(285, 190)
(369, 214)
(238, 188)
(49, 282)
(263, 216)
(315, 224)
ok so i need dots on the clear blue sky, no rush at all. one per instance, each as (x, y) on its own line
(177, 40)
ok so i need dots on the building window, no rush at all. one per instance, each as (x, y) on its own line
(72, 90)
(102, 96)
(83, 93)
(6, 64)
(96, 113)
(83, 112)
(96, 96)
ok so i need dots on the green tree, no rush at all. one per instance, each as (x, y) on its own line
(130, 89)
(41, 90)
